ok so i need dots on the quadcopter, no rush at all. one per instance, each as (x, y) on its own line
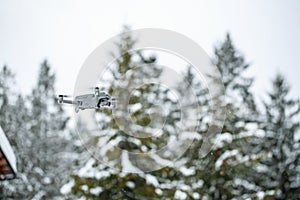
(95, 101)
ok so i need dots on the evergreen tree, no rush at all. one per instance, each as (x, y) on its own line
(221, 173)
(98, 181)
(232, 66)
(13, 121)
(278, 173)
(47, 136)
(7, 98)
(21, 186)
(36, 129)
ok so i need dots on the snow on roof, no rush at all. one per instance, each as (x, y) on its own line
(7, 151)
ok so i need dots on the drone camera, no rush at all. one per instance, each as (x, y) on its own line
(60, 98)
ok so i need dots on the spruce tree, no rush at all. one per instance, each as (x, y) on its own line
(15, 120)
(223, 170)
(278, 173)
(98, 181)
(47, 136)
(14, 130)
(7, 98)
(232, 66)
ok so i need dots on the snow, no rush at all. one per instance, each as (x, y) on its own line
(297, 136)
(251, 126)
(224, 156)
(161, 161)
(261, 168)
(102, 174)
(8, 151)
(84, 187)
(136, 93)
(151, 180)
(158, 191)
(96, 191)
(127, 166)
(221, 139)
(240, 124)
(198, 184)
(144, 148)
(245, 184)
(187, 171)
(39, 171)
(185, 187)
(135, 107)
(98, 172)
(65, 189)
(190, 135)
(46, 180)
(180, 195)
(175, 184)
(39, 195)
(130, 184)
(196, 195)
(84, 170)
(260, 194)
(106, 147)
(135, 141)
(257, 133)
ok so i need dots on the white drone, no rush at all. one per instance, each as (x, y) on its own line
(89, 101)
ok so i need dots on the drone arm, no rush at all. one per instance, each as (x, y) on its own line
(69, 102)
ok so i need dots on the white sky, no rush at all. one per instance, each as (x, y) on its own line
(66, 32)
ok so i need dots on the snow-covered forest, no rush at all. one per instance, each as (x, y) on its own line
(255, 156)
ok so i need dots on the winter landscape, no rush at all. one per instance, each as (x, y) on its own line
(150, 144)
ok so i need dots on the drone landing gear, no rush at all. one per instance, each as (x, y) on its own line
(77, 109)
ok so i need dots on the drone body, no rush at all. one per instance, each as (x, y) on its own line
(89, 101)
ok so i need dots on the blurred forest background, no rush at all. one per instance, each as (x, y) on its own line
(256, 156)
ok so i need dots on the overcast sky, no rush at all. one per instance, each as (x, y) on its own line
(66, 32)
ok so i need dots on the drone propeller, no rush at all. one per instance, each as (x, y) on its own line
(91, 88)
(64, 95)
(116, 99)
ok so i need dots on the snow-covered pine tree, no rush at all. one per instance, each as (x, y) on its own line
(278, 173)
(221, 173)
(232, 66)
(48, 138)
(15, 120)
(96, 180)
(10, 122)
(7, 82)
(7, 98)
(21, 186)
